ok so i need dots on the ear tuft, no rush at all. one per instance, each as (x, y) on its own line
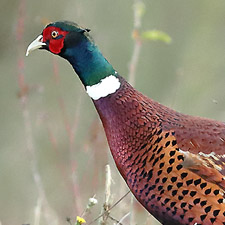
(85, 30)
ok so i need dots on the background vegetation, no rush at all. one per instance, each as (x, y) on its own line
(53, 150)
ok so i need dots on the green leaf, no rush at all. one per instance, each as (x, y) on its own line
(156, 35)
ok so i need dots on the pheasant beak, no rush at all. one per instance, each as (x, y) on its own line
(36, 44)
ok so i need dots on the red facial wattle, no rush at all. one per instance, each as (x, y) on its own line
(55, 44)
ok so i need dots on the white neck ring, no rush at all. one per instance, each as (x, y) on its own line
(104, 88)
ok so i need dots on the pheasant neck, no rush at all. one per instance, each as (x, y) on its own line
(88, 62)
(95, 72)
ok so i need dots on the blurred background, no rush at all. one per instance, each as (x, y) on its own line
(53, 149)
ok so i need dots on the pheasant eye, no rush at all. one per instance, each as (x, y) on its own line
(54, 34)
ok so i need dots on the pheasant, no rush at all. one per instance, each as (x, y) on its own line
(173, 163)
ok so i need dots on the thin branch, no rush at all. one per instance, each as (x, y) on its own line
(37, 212)
(138, 8)
(106, 205)
(50, 215)
(108, 186)
(124, 219)
(71, 133)
(114, 205)
(115, 220)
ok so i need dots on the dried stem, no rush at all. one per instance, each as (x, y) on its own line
(106, 206)
(115, 220)
(49, 214)
(138, 8)
(37, 212)
(134, 61)
(114, 205)
(108, 186)
(71, 132)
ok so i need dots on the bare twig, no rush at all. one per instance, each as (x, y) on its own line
(60, 99)
(108, 186)
(138, 8)
(50, 215)
(114, 205)
(71, 132)
(37, 212)
(115, 220)
(106, 205)
(72, 135)
(124, 220)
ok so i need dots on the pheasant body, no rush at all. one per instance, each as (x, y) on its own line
(142, 137)
(173, 163)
